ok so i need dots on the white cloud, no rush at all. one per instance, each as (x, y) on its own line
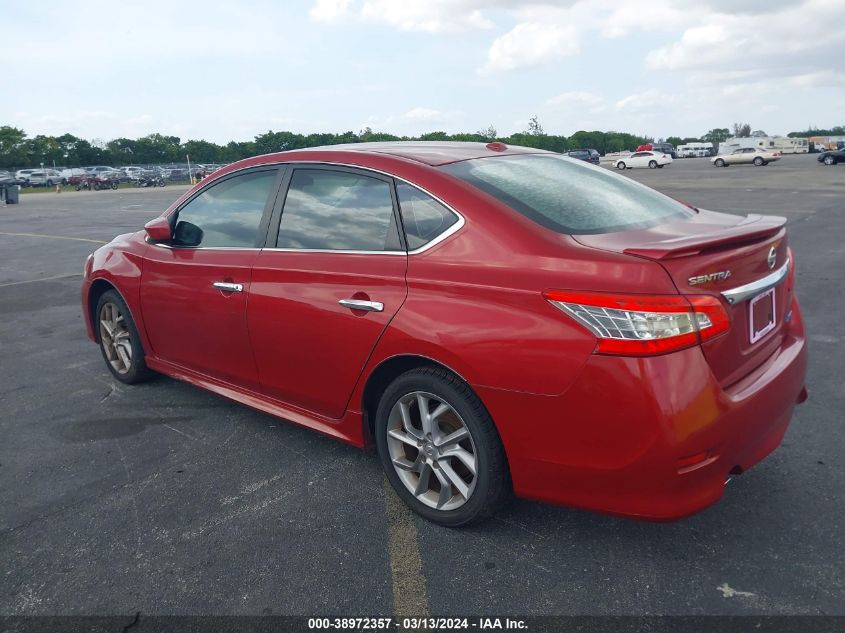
(531, 44)
(574, 101)
(820, 79)
(655, 15)
(647, 101)
(774, 44)
(328, 10)
(423, 114)
(432, 16)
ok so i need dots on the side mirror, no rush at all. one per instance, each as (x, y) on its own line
(158, 230)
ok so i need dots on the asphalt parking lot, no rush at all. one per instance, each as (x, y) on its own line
(165, 499)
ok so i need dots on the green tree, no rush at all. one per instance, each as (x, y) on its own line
(742, 130)
(717, 135)
(534, 127)
(434, 136)
(12, 151)
(489, 133)
(837, 130)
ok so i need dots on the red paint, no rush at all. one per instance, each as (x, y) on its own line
(602, 431)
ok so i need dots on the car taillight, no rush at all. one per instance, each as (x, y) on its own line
(644, 325)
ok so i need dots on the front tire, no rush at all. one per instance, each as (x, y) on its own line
(620, 165)
(440, 449)
(119, 340)
(829, 160)
(719, 162)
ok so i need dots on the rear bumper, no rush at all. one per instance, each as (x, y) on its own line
(620, 438)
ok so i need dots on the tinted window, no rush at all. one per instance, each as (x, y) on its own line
(566, 195)
(227, 213)
(338, 211)
(422, 216)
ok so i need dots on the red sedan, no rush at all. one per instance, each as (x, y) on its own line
(494, 319)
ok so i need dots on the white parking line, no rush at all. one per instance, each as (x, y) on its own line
(54, 237)
(32, 281)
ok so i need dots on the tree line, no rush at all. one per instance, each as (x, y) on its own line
(17, 150)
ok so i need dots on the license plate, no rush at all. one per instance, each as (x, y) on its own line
(761, 315)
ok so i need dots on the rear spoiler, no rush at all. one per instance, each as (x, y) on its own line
(754, 227)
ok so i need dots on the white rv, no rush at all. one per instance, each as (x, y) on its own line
(763, 142)
(781, 144)
(695, 150)
(788, 145)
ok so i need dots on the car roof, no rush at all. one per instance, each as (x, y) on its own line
(431, 152)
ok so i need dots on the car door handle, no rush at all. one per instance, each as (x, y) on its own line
(226, 286)
(358, 304)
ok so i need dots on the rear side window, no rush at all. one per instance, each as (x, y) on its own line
(423, 217)
(226, 214)
(338, 211)
(567, 195)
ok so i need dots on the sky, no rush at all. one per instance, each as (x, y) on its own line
(224, 71)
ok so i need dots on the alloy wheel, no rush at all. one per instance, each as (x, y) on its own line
(115, 338)
(432, 450)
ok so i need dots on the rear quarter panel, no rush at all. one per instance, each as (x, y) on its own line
(475, 301)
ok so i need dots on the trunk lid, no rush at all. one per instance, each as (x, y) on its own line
(711, 253)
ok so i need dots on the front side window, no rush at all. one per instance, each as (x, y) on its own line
(226, 214)
(568, 196)
(423, 217)
(338, 211)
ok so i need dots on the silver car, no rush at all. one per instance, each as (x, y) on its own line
(745, 156)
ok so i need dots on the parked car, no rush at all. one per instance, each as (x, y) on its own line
(69, 172)
(7, 178)
(45, 178)
(100, 169)
(745, 156)
(665, 148)
(588, 155)
(832, 157)
(22, 175)
(652, 160)
(132, 173)
(493, 318)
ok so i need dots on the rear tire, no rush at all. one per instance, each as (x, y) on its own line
(119, 340)
(652, 164)
(759, 162)
(451, 482)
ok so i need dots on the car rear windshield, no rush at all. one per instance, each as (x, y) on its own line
(568, 195)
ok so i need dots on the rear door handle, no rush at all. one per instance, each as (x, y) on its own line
(358, 304)
(226, 286)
